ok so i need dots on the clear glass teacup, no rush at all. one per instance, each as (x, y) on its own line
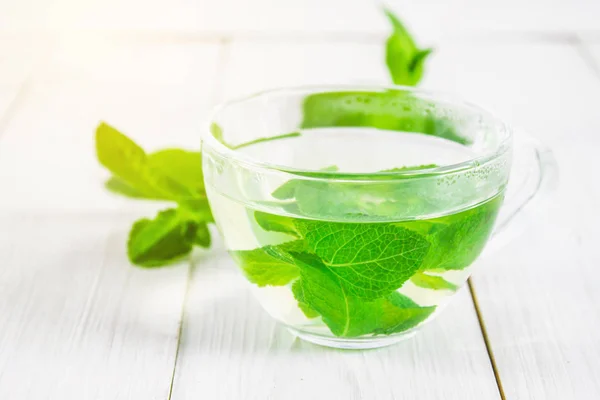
(356, 212)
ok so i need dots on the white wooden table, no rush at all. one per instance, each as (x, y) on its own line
(78, 322)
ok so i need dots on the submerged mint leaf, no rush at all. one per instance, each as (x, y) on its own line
(288, 189)
(275, 223)
(403, 58)
(400, 313)
(373, 260)
(267, 266)
(434, 282)
(266, 139)
(165, 239)
(218, 134)
(298, 291)
(457, 242)
(394, 110)
(321, 291)
(411, 168)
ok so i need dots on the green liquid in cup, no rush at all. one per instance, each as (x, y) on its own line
(333, 259)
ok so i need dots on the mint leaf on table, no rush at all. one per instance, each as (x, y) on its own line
(372, 259)
(173, 175)
(129, 162)
(321, 291)
(165, 239)
(118, 186)
(434, 282)
(403, 58)
(202, 237)
(183, 166)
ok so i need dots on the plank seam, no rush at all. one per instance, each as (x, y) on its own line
(486, 339)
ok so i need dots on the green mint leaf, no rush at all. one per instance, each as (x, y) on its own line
(434, 282)
(165, 239)
(321, 291)
(373, 260)
(298, 291)
(267, 266)
(267, 139)
(417, 65)
(404, 60)
(275, 223)
(202, 237)
(197, 208)
(288, 189)
(218, 134)
(183, 166)
(129, 162)
(394, 110)
(459, 240)
(117, 186)
(411, 168)
(400, 313)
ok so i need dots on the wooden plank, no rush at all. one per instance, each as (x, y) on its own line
(158, 94)
(537, 295)
(549, 98)
(231, 349)
(76, 320)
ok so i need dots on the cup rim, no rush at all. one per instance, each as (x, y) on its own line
(249, 162)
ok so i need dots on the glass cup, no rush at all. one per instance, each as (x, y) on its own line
(356, 212)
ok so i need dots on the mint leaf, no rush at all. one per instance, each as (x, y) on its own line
(275, 223)
(321, 291)
(288, 189)
(434, 282)
(410, 168)
(202, 237)
(267, 139)
(129, 162)
(298, 291)
(403, 58)
(400, 313)
(165, 239)
(117, 186)
(373, 260)
(182, 166)
(394, 110)
(459, 240)
(218, 134)
(267, 266)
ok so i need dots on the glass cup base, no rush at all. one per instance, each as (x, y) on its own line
(374, 342)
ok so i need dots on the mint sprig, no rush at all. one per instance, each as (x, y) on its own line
(173, 175)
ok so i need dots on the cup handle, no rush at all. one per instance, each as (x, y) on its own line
(533, 179)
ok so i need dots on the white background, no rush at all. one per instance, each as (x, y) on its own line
(78, 322)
